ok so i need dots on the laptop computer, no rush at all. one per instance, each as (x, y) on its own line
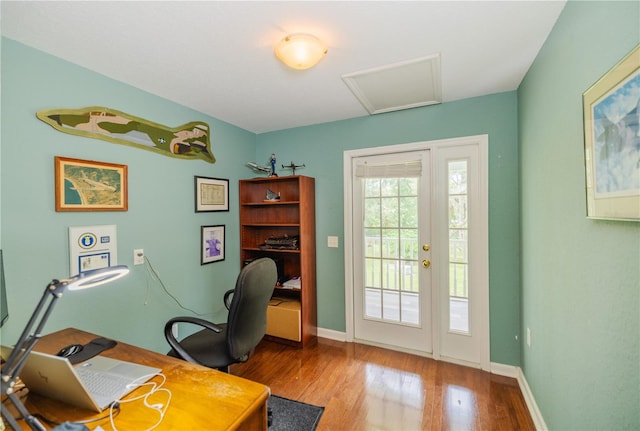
(93, 384)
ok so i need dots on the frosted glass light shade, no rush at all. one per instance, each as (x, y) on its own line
(300, 51)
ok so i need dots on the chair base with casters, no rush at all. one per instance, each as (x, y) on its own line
(220, 345)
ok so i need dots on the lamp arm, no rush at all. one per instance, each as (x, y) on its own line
(18, 357)
(8, 417)
(27, 340)
(31, 420)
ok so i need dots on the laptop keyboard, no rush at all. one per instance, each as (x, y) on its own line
(101, 384)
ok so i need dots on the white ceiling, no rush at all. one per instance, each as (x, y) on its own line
(217, 56)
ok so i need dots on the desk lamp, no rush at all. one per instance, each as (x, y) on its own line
(18, 357)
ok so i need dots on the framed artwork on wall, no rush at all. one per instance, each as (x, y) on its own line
(213, 244)
(612, 142)
(212, 194)
(87, 185)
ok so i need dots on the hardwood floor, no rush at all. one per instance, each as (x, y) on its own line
(369, 388)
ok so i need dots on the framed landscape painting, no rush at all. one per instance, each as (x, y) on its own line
(86, 185)
(612, 142)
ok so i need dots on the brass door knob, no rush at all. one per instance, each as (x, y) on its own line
(426, 263)
(426, 247)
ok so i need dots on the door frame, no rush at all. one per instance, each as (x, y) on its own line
(482, 141)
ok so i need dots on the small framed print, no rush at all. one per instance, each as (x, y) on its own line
(86, 185)
(212, 247)
(212, 194)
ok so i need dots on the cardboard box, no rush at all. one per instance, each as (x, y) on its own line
(283, 318)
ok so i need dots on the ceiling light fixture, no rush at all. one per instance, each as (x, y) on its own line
(300, 51)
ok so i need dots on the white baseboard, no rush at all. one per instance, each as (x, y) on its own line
(332, 335)
(536, 415)
(532, 406)
(505, 370)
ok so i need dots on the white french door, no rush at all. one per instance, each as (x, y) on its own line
(393, 299)
(463, 255)
(416, 248)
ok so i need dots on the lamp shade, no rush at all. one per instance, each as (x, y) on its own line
(300, 51)
(96, 277)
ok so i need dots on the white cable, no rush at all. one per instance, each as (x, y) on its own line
(155, 388)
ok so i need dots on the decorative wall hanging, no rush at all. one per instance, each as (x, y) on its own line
(212, 194)
(189, 141)
(85, 185)
(612, 142)
(212, 248)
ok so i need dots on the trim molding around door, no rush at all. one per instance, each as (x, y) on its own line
(348, 155)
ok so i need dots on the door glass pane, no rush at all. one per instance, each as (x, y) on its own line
(390, 274)
(389, 210)
(458, 246)
(391, 250)
(389, 187)
(409, 244)
(408, 215)
(391, 306)
(372, 188)
(409, 276)
(373, 303)
(372, 273)
(372, 210)
(410, 307)
(390, 243)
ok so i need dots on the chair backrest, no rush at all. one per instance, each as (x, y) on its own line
(247, 321)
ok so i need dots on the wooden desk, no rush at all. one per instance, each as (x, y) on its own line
(203, 399)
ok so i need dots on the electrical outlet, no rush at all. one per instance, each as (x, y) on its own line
(332, 241)
(138, 256)
(529, 337)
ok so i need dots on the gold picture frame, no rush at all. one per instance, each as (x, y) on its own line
(612, 142)
(87, 185)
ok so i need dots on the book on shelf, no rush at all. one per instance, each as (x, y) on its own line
(292, 283)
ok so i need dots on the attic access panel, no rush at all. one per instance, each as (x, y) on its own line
(398, 86)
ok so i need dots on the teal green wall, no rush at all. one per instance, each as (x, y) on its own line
(321, 148)
(580, 277)
(160, 219)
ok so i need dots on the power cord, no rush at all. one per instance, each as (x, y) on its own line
(152, 271)
(160, 408)
(115, 407)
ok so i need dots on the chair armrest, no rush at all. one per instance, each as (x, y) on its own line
(175, 344)
(228, 298)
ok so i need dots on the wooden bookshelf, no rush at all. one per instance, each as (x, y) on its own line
(292, 215)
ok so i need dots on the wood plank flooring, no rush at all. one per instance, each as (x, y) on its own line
(369, 388)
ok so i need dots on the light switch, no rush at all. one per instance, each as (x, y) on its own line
(332, 241)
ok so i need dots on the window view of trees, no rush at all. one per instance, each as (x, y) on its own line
(458, 246)
(391, 249)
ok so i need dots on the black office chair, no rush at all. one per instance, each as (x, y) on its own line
(220, 345)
